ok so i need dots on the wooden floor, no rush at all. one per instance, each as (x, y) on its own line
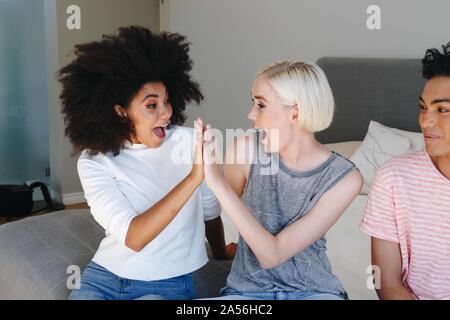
(41, 204)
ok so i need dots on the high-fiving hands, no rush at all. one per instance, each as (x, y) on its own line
(208, 155)
(207, 166)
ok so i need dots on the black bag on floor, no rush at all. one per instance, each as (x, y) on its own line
(17, 200)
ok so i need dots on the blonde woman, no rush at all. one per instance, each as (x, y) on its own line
(288, 192)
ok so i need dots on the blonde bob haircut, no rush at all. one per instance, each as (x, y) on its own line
(305, 85)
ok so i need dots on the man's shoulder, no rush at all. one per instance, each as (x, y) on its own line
(410, 163)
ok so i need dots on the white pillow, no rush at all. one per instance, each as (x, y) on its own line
(379, 145)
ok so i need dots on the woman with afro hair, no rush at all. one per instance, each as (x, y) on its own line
(123, 100)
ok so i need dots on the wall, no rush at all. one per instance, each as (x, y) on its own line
(164, 15)
(232, 39)
(98, 17)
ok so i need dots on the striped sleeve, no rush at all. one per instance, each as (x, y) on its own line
(379, 220)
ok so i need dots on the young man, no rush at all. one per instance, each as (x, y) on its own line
(408, 211)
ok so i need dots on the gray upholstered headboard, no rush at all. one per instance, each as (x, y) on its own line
(384, 90)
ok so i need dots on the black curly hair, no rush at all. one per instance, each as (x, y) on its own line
(112, 71)
(436, 63)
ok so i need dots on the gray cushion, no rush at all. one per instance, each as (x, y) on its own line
(211, 278)
(365, 89)
(35, 253)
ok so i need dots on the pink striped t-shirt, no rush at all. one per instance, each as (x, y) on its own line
(409, 204)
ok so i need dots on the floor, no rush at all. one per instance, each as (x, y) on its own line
(41, 204)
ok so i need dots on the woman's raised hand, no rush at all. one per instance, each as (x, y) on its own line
(197, 171)
(212, 158)
(207, 160)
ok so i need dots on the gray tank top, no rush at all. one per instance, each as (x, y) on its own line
(277, 200)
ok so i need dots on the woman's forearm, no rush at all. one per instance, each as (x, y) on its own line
(263, 244)
(147, 226)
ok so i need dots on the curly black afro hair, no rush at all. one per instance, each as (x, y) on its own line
(112, 71)
(436, 63)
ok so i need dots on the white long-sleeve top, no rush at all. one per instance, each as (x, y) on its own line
(118, 188)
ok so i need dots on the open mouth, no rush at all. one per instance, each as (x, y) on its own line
(160, 132)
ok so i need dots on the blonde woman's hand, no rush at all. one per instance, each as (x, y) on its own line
(212, 159)
(231, 250)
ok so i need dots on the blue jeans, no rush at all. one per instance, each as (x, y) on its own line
(97, 283)
(278, 296)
